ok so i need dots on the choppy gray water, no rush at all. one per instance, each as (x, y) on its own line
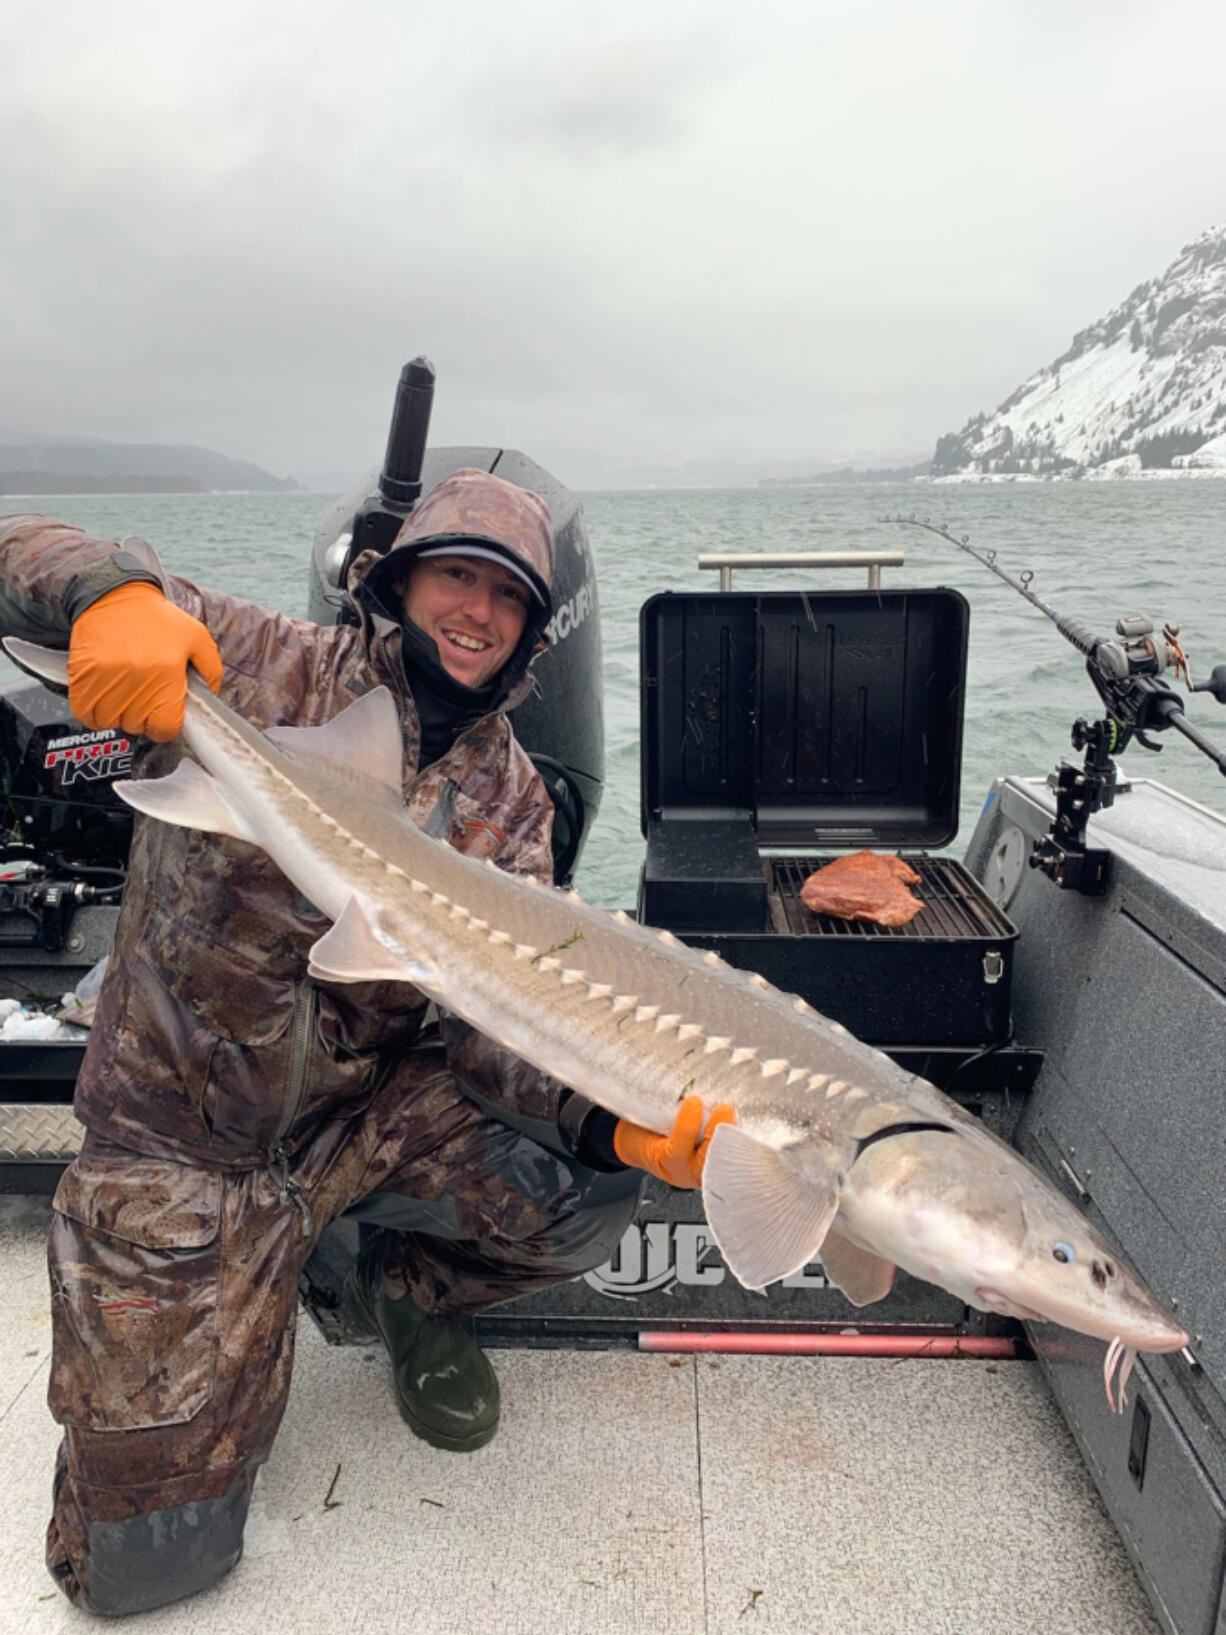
(1097, 550)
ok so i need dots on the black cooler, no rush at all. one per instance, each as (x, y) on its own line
(780, 728)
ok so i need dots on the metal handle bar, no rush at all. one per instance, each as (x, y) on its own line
(874, 561)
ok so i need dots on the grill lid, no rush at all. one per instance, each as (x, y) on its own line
(831, 718)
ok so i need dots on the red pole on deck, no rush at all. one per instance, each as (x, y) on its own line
(833, 1345)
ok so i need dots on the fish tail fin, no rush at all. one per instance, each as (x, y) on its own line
(47, 663)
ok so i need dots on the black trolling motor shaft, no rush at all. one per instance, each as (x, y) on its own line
(381, 515)
(400, 479)
(379, 518)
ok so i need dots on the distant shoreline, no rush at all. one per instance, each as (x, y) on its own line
(1089, 474)
(949, 480)
(1154, 474)
(32, 483)
(149, 493)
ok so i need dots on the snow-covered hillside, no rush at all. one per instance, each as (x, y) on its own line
(1142, 389)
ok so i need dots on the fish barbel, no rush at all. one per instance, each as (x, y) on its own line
(834, 1150)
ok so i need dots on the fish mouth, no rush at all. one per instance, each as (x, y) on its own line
(1007, 1306)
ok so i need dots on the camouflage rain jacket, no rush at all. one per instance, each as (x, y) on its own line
(211, 1044)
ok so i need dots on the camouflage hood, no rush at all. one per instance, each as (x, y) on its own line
(473, 513)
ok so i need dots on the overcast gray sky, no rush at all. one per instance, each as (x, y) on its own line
(629, 235)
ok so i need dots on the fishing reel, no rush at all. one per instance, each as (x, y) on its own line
(1128, 673)
(1137, 653)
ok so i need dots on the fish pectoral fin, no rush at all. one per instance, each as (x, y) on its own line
(861, 1275)
(364, 737)
(187, 796)
(767, 1218)
(353, 951)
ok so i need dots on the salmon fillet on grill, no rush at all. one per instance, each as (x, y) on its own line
(864, 886)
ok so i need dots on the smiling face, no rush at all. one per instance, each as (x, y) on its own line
(473, 609)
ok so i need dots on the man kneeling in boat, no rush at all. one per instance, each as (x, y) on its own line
(234, 1107)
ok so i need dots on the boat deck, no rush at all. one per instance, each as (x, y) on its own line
(624, 1492)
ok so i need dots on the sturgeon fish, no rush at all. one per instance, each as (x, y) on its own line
(834, 1149)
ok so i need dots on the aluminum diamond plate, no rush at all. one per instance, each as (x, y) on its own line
(38, 1132)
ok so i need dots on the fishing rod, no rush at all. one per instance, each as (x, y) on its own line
(1127, 672)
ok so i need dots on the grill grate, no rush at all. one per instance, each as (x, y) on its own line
(955, 904)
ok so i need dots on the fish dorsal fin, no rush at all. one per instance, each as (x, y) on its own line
(767, 1218)
(141, 551)
(354, 951)
(47, 663)
(365, 737)
(187, 796)
(862, 1276)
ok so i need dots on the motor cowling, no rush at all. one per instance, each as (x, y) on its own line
(57, 780)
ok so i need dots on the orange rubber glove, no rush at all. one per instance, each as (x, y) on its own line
(128, 657)
(679, 1156)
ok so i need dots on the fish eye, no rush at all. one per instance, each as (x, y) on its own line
(1064, 1253)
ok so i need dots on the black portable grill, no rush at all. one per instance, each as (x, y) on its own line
(781, 727)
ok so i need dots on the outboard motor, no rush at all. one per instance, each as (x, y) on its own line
(561, 724)
(65, 834)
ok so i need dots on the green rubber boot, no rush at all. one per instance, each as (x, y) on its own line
(445, 1388)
